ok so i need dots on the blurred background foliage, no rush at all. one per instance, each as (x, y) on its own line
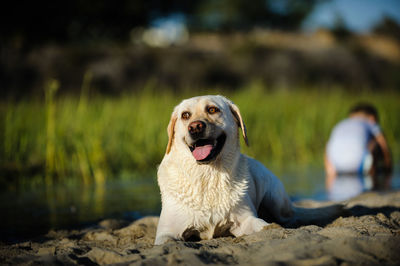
(34, 23)
(95, 138)
(183, 45)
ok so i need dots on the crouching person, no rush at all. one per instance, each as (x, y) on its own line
(356, 155)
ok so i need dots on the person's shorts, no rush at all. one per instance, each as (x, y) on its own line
(345, 165)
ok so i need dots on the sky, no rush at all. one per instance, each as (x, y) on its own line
(358, 15)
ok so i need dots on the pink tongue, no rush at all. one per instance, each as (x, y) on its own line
(200, 153)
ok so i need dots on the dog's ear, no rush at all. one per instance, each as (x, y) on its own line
(171, 131)
(238, 117)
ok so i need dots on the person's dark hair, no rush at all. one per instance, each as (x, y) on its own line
(365, 108)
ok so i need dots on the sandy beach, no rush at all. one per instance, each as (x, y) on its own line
(368, 234)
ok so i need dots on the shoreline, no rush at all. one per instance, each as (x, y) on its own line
(369, 234)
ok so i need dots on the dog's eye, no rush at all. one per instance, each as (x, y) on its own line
(212, 110)
(185, 115)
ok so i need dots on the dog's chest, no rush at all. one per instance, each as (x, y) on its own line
(208, 203)
(207, 197)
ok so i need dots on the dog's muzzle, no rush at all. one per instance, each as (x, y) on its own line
(204, 149)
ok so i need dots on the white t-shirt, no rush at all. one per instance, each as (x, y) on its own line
(348, 144)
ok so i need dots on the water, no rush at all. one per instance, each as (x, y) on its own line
(35, 209)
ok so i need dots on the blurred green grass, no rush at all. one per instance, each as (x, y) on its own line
(98, 137)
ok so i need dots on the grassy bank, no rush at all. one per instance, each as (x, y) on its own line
(95, 138)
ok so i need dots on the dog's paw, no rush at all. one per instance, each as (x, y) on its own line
(162, 239)
(258, 224)
(249, 226)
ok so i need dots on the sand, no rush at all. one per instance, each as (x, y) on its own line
(369, 234)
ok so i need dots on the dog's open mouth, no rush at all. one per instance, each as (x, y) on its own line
(205, 150)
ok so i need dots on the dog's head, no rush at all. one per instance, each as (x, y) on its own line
(205, 126)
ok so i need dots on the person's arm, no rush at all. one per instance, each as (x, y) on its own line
(330, 173)
(381, 141)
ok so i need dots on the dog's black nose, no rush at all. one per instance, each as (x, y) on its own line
(196, 128)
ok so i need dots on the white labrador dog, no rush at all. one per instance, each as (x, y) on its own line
(208, 188)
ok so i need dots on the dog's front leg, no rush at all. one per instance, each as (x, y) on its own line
(168, 229)
(246, 220)
(171, 224)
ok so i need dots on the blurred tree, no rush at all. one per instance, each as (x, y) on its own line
(35, 22)
(27, 22)
(340, 28)
(389, 27)
(241, 14)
